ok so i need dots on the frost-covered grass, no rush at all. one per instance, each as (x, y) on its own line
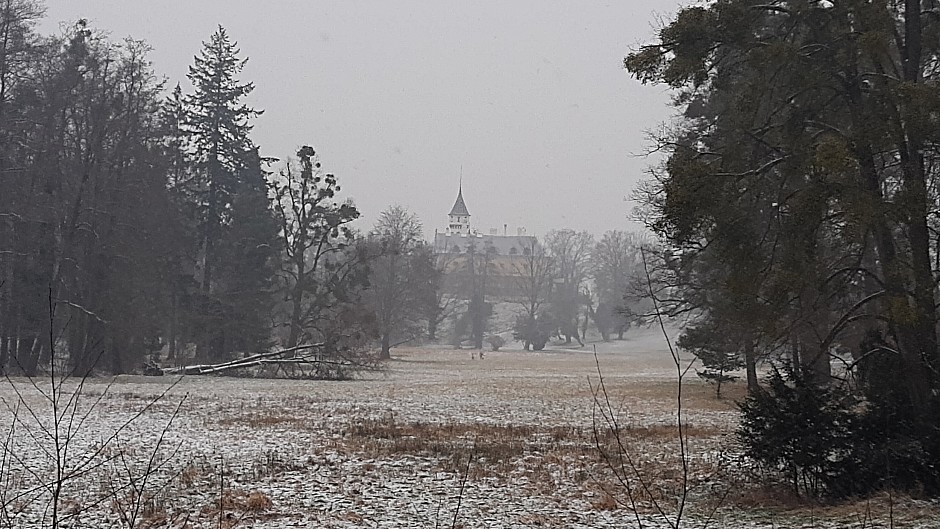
(510, 439)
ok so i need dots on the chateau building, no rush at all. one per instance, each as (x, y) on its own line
(465, 252)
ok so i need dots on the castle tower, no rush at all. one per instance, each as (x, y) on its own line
(458, 220)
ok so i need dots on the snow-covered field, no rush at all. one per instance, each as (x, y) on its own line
(436, 440)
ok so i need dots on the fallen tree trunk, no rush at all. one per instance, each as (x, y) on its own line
(248, 361)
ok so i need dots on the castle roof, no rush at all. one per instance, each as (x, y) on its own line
(501, 244)
(460, 208)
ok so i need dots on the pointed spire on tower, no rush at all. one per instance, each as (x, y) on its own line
(459, 217)
(460, 208)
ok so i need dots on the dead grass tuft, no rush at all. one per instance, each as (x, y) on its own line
(258, 501)
(190, 475)
(605, 502)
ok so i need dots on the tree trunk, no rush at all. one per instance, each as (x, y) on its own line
(386, 353)
(925, 356)
(173, 331)
(28, 352)
(750, 365)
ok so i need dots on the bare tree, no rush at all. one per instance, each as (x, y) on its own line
(315, 240)
(534, 276)
(616, 261)
(571, 252)
(398, 279)
(440, 302)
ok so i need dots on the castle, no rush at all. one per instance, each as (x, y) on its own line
(460, 245)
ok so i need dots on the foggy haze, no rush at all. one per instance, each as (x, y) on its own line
(529, 100)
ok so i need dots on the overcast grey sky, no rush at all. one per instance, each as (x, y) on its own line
(529, 98)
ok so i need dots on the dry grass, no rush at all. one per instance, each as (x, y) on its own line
(661, 432)
(238, 505)
(779, 506)
(263, 419)
(605, 502)
(496, 449)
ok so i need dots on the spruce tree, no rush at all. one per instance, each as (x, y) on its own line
(246, 270)
(219, 125)
(225, 165)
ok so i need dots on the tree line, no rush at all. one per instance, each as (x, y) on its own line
(562, 285)
(135, 219)
(141, 222)
(572, 281)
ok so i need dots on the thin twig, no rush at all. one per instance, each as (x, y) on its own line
(463, 484)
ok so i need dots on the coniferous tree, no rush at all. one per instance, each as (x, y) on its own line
(224, 157)
(247, 270)
(798, 199)
(181, 285)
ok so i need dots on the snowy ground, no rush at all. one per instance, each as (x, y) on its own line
(437, 440)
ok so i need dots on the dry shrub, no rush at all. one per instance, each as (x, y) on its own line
(258, 501)
(190, 475)
(605, 502)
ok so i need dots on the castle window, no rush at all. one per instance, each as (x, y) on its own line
(513, 251)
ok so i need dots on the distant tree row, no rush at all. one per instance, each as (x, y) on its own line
(559, 285)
